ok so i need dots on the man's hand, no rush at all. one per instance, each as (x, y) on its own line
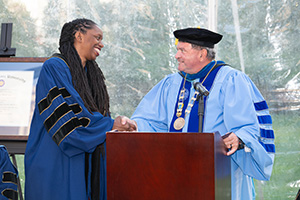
(123, 123)
(231, 142)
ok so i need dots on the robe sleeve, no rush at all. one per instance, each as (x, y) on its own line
(9, 175)
(72, 127)
(151, 113)
(246, 114)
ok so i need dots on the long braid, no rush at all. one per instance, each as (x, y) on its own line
(90, 85)
(100, 94)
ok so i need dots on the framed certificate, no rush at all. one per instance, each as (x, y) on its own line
(18, 78)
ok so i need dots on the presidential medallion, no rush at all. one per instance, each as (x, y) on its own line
(179, 123)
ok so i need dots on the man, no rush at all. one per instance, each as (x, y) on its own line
(232, 105)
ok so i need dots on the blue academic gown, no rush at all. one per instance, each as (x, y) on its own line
(8, 175)
(234, 104)
(62, 132)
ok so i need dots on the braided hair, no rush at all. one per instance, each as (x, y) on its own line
(88, 83)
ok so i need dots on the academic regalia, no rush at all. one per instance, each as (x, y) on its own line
(63, 136)
(9, 175)
(234, 104)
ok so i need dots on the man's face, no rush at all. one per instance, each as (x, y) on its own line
(188, 58)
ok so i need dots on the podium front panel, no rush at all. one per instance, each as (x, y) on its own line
(161, 166)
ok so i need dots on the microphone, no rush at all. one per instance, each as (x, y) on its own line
(201, 89)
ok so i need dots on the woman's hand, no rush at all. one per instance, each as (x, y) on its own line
(123, 123)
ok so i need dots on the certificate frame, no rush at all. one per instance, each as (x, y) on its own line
(21, 64)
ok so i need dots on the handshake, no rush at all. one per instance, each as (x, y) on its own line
(123, 123)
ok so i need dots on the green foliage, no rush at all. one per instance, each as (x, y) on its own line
(24, 36)
(139, 44)
(284, 182)
(53, 20)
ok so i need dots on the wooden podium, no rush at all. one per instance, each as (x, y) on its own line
(167, 166)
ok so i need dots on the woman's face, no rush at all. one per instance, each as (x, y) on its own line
(89, 44)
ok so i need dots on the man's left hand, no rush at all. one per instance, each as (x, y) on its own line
(231, 142)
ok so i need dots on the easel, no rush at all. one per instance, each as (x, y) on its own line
(5, 43)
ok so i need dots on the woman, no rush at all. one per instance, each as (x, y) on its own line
(70, 120)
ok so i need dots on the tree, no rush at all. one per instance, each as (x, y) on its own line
(24, 37)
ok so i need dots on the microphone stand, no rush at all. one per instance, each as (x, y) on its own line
(202, 92)
(200, 111)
